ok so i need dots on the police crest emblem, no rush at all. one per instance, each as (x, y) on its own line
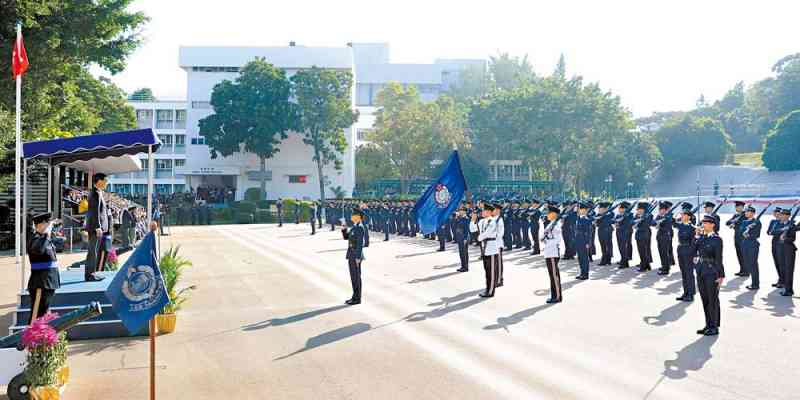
(442, 196)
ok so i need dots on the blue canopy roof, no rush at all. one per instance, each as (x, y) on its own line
(102, 145)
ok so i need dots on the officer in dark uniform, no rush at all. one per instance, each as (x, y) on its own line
(279, 206)
(751, 231)
(312, 217)
(775, 230)
(355, 254)
(461, 234)
(708, 209)
(686, 252)
(642, 223)
(664, 223)
(319, 214)
(506, 213)
(44, 279)
(297, 208)
(605, 229)
(98, 227)
(583, 237)
(735, 223)
(533, 224)
(710, 274)
(624, 227)
(568, 230)
(788, 252)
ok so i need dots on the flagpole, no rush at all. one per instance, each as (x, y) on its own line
(152, 320)
(17, 174)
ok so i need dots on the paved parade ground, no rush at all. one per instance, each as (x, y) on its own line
(267, 321)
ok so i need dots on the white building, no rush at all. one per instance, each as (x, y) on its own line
(168, 121)
(185, 160)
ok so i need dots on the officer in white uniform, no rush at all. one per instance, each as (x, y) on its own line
(551, 250)
(487, 236)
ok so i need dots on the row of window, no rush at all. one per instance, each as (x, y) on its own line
(164, 163)
(137, 188)
(215, 69)
(165, 119)
(509, 172)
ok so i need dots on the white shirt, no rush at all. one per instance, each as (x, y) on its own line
(552, 241)
(488, 232)
(501, 227)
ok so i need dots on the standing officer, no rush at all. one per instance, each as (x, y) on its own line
(505, 216)
(775, 229)
(501, 227)
(624, 228)
(99, 229)
(279, 206)
(312, 218)
(366, 221)
(319, 214)
(751, 231)
(710, 274)
(568, 229)
(664, 223)
(487, 234)
(533, 224)
(297, 207)
(789, 251)
(686, 252)
(461, 235)
(440, 235)
(355, 254)
(44, 279)
(583, 238)
(708, 209)
(735, 223)
(644, 235)
(605, 228)
(551, 238)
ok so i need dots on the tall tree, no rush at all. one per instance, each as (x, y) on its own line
(372, 164)
(782, 150)
(252, 114)
(693, 141)
(509, 71)
(142, 94)
(412, 133)
(325, 111)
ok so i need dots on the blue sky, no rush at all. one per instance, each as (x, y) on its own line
(657, 55)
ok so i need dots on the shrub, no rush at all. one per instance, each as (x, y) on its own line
(246, 207)
(264, 204)
(252, 194)
(265, 217)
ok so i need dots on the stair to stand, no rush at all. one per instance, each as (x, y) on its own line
(73, 294)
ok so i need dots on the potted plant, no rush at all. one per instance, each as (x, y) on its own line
(46, 371)
(172, 265)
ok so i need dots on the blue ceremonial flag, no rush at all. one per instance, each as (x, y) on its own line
(137, 292)
(442, 197)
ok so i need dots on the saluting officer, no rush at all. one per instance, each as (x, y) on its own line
(44, 279)
(461, 235)
(710, 274)
(355, 254)
(487, 234)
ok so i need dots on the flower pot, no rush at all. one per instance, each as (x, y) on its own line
(45, 393)
(62, 377)
(166, 322)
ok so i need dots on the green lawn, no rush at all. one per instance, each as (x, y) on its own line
(748, 159)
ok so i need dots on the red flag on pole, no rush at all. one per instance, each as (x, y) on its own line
(19, 58)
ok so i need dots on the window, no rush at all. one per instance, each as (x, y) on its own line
(504, 172)
(179, 187)
(180, 119)
(139, 188)
(200, 140)
(164, 119)
(180, 163)
(163, 164)
(521, 172)
(144, 119)
(166, 140)
(298, 178)
(180, 140)
(201, 104)
(144, 162)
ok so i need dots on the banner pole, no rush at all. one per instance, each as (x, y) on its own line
(153, 320)
(17, 183)
(153, 358)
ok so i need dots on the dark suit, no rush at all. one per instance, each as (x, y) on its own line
(355, 255)
(96, 218)
(461, 235)
(44, 272)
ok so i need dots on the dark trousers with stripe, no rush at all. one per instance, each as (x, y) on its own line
(355, 277)
(750, 250)
(96, 256)
(709, 293)
(777, 258)
(555, 277)
(463, 253)
(686, 264)
(491, 267)
(788, 252)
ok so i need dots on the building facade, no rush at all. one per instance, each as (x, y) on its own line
(185, 160)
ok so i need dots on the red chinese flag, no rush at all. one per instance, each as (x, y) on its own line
(19, 58)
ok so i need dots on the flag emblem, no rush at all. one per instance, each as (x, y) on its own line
(140, 283)
(442, 196)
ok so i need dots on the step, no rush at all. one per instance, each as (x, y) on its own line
(95, 330)
(23, 315)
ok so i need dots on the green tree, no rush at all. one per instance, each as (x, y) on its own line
(372, 164)
(109, 104)
(693, 141)
(143, 94)
(325, 111)
(782, 149)
(509, 71)
(411, 133)
(472, 82)
(253, 114)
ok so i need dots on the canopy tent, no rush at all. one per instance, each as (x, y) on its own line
(108, 165)
(109, 153)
